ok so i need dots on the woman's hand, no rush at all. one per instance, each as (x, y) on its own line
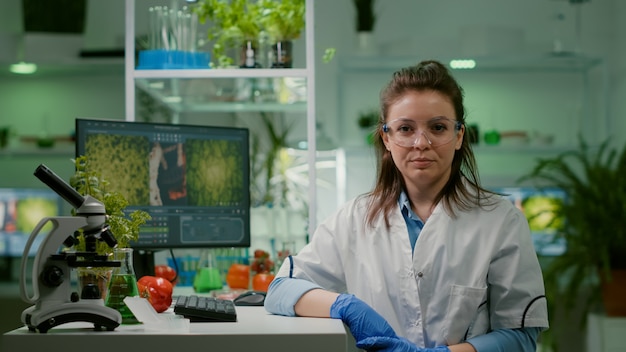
(361, 319)
(394, 344)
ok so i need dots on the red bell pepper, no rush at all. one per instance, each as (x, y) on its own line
(166, 272)
(157, 290)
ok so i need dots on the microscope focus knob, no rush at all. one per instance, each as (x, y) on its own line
(52, 276)
(90, 291)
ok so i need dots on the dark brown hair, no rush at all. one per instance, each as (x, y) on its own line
(463, 189)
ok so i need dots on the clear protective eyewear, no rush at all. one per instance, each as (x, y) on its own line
(437, 131)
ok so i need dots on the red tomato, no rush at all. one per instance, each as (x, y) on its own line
(261, 281)
(166, 272)
(157, 290)
(259, 253)
(238, 276)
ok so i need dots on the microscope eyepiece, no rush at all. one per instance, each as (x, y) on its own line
(107, 236)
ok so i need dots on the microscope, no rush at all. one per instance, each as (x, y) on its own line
(52, 296)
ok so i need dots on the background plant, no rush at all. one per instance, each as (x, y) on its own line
(87, 181)
(593, 226)
(283, 20)
(365, 16)
(368, 118)
(232, 22)
(269, 162)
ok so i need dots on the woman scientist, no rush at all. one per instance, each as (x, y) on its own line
(428, 260)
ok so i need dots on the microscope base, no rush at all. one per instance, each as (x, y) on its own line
(42, 320)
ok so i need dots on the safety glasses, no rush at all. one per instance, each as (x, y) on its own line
(407, 132)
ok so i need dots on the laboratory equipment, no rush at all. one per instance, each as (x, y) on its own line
(52, 296)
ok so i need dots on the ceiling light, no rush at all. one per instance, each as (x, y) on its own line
(23, 68)
(462, 64)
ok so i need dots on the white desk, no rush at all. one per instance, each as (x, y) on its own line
(255, 330)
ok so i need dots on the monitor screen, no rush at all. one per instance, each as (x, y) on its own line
(192, 180)
(21, 209)
(539, 205)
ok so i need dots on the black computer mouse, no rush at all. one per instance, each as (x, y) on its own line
(250, 298)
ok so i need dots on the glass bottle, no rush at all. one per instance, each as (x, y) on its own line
(123, 284)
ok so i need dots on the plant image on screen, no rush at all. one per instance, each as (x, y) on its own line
(123, 160)
(541, 213)
(31, 210)
(214, 175)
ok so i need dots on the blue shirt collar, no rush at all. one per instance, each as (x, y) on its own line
(405, 207)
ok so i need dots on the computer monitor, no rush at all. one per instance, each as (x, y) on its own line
(194, 181)
(21, 209)
(539, 206)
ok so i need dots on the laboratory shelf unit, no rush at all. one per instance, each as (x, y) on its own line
(169, 87)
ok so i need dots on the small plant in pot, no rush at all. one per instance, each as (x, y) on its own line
(367, 121)
(594, 229)
(365, 16)
(235, 24)
(284, 22)
(125, 229)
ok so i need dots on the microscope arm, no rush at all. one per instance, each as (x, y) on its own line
(61, 227)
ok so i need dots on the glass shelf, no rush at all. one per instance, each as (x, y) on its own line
(221, 73)
(482, 149)
(545, 62)
(28, 151)
(228, 94)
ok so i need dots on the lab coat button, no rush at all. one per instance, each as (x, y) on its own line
(420, 274)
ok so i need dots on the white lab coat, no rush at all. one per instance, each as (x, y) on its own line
(468, 275)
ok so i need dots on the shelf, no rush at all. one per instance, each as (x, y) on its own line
(64, 151)
(521, 149)
(77, 67)
(225, 94)
(547, 62)
(232, 90)
(222, 73)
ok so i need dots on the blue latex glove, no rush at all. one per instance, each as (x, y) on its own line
(394, 344)
(361, 319)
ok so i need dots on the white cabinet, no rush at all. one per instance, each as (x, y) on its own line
(176, 84)
(605, 334)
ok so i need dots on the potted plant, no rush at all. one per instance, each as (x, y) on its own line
(364, 23)
(592, 226)
(268, 162)
(367, 121)
(234, 24)
(125, 229)
(365, 16)
(249, 25)
(284, 21)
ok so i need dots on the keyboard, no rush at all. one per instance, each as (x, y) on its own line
(205, 309)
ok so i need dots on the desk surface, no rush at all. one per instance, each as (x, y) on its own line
(256, 330)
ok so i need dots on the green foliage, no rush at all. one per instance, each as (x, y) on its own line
(284, 19)
(365, 17)
(329, 54)
(87, 181)
(127, 164)
(368, 119)
(236, 21)
(268, 163)
(232, 22)
(278, 140)
(213, 173)
(593, 215)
